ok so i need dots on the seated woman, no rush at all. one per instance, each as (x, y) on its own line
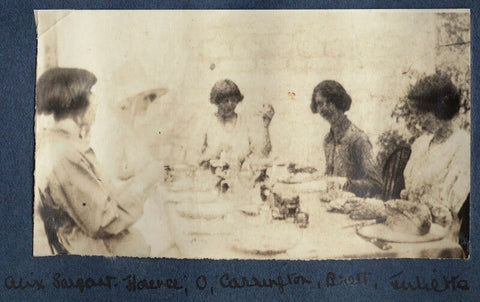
(348, 151)
(81, 211)
(438, 171)
(230, 139)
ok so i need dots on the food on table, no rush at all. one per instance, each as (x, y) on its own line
(359, 208)
(292, 174)
(344, 204)
(333, 195)
(406, 222)
(298, 178)
(336, 205)
(408, 217)
(370, 208)
(440, 214)
(293, 168)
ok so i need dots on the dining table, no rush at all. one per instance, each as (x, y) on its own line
(238, 224)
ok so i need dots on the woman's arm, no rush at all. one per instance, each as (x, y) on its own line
(456, 185)
(204, 156)
(82, 190)
(260, 143)
(370, 183)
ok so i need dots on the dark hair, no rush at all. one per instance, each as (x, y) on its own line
(334, 93)
(224, 89)
(437, 94)
(63, 90)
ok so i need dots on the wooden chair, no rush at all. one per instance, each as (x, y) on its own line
(51, 220)
(464, 234)
(392, 174)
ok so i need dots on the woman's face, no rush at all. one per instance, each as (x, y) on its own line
(226, 106)
(90, 112)
(429, 122)
(326, 109)
(88, 117)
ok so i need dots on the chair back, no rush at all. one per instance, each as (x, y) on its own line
(392, 174)
(51, 219)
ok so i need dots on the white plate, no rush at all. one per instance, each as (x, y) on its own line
(383, 232)
(266, 240)
(211, 210)
(191, 196)
(250, 209)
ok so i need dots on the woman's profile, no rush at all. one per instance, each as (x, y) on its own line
(438, 171)
(80, 210)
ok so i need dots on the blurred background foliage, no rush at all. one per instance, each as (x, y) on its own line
(452, 58)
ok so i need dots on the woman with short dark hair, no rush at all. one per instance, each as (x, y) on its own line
(64, 91)
(348, 151)
(230, 138)
(81, 211)
(438, 171)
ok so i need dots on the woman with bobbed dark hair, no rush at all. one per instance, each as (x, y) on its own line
(230, 138)
(82, 213)
(438, 171)
(64, 91)
(348, 151)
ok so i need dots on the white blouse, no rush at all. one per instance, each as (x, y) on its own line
(231, 141)
(440, 173)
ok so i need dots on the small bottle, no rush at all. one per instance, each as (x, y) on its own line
(301, 219)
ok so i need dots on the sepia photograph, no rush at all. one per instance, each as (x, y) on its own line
(252, 134)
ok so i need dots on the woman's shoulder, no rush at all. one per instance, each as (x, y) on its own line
(461, 136)
(328, 138)
(357, 135)
(460, 141)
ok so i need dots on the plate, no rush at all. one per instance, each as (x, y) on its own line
(266, 240)
(309, 187)
(191, 196)
(299, 178)
(207, 211)
(383, 232)
(204, 227)
(250, 209)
